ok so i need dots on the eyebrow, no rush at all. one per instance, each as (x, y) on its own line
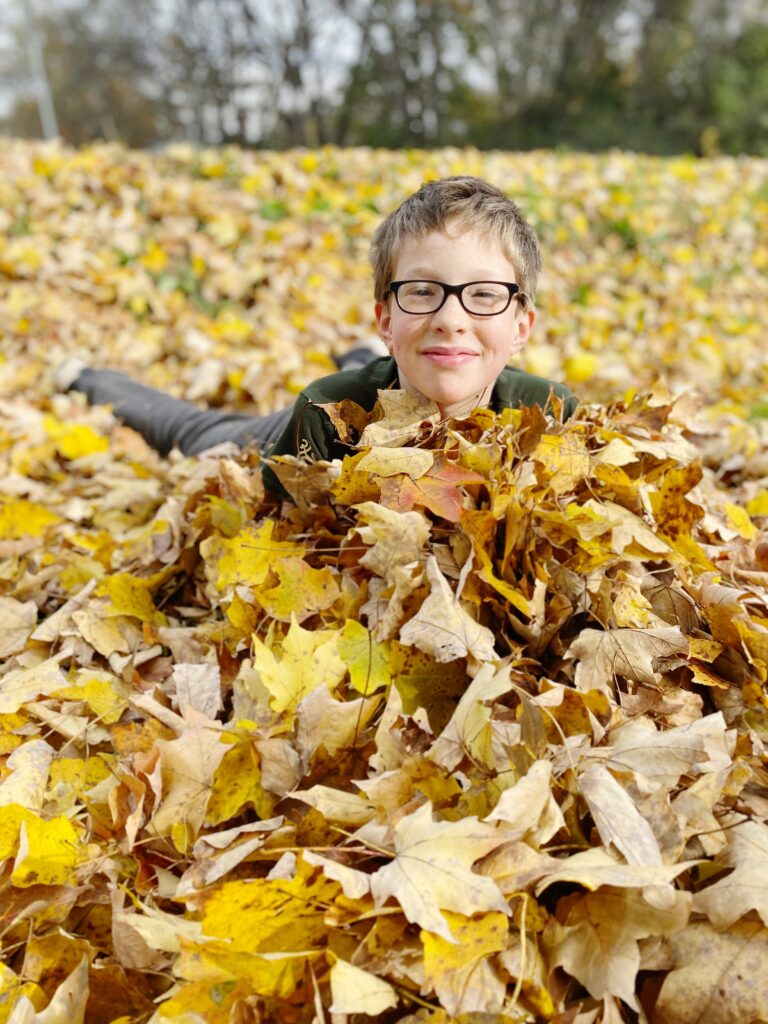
(421, 273)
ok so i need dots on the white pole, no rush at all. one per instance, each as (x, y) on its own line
(45, 106)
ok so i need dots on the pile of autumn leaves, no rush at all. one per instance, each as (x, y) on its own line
(473, 730)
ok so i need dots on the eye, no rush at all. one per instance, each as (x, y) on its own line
(420, 289)
(487, 294)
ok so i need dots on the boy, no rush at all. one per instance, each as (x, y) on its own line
(455, 269)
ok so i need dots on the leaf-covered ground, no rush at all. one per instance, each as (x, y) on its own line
(476, 730)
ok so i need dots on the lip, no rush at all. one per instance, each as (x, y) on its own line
(443, 355)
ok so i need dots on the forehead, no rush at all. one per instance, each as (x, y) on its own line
(453, 255)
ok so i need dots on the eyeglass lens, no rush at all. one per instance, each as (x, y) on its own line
(481, 297)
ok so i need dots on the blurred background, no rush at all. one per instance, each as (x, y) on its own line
(656, 76)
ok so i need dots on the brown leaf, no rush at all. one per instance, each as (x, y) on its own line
(631, 653)
(717, 977)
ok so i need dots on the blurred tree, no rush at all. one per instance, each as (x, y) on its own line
(553, 72)
(100, 72)
(740, 94)
(410, 71)
(237, 71)
(654, 75)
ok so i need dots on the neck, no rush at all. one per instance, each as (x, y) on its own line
(453, 410)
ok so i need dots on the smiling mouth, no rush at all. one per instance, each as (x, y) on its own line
(445, 356)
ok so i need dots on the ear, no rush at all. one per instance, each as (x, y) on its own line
(384, 320)
(524, 324)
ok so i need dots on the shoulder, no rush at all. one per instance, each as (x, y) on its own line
(309, 432)
(515, 388)
(361, 385)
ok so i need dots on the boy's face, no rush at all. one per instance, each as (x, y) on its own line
(452, 356)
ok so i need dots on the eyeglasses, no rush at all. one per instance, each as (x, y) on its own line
(479, 298)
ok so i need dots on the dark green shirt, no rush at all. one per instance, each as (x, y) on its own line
(310, 432)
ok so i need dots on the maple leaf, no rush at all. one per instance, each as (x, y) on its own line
(48, 852)
(300, 592)
(248, 557)
(746, 887)
(397, 538)
(715, 976)
(386, 462)
(405, 417)
(309, 658)
(443, 628)
(438, 489)
(529, 806)
(598, 941)
(468, 730)
(431, 870)
(198, 687)
(188, 765)
(634, 654)
(26, 778)
(348, 418)
(367, 660)
(564, 460)
(643, 516)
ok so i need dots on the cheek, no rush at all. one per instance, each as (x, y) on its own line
(402, 334)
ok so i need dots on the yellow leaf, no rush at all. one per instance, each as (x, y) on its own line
(104, 695)
(459, 972)
(581, 367)
(278, 915)
(353, 486)
(243, 616)
(758, 506)
(564, 460)
(309, 658)
(130, 595)
(367, 660)
(11, 819)
(22, 518)
(48, 852)
(78, 774)
(236, 785)
(233, 328)
(210, 1001)
(475, 937)
(155, 258)
(74, 440)
(301, 591)
(12, 988)
(248, 557)
(738, 519)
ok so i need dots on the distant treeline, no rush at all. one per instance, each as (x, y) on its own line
(660, 76)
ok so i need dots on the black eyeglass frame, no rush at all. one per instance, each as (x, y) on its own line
(454, 289)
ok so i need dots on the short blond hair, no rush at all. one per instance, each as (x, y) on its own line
(475, 205)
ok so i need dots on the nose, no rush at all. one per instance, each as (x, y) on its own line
(451, 316)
